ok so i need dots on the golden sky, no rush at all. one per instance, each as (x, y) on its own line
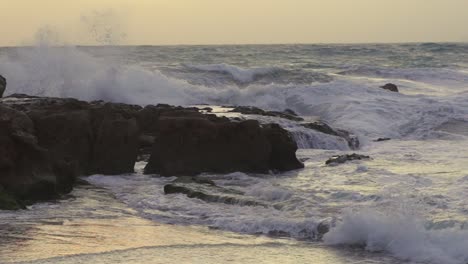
(161, 22)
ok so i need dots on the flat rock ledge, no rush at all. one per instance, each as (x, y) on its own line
(46, 143)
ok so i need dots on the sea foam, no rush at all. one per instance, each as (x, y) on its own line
(404, 236)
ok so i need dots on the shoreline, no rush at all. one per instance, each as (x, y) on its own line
(129, 238)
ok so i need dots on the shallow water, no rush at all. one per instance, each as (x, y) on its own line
(93, 227)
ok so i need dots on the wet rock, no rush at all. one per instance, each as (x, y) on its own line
(335, 160)
(83, 138)
(207, 191)
(251, 110)
(25, 168)
(3, 84)
(67, 133)
(8, 201)
(283, 149)
(382, 139)
(390, 87)
(353, 140)
(192, 145)
(115, 144)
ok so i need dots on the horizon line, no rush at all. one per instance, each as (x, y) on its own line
(240, 44)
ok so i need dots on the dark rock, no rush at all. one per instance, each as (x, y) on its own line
(323, 227)
(289, 112)
(67, 134)
(251, 110)
(207, 191)
(353, 141)
(8, 201)
(83, 138)
(283, 149)
(391, 87)
(192, 145)
(335, 160)
(25, 168)
(382, 139)
(321, 127)
(3, 84)
(116, 144)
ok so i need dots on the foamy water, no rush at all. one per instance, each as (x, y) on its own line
(407, 201)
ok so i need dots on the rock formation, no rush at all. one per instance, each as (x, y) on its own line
(46, 143)
(3, 84)
(390, 87)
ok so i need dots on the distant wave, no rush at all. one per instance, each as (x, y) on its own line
(237, 73)
(226, 74)
(430, 75)
(355, 105)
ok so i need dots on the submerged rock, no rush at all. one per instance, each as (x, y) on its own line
(3, 85)
(251, 110)
(382, 139)
(353, 141)
(390, 87)
(335, 160)
(207, 191)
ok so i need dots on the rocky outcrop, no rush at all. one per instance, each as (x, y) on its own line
(192, 145)
(335, 160)
(116, 139)
(390, 87)
(3, 85)
(25, 168)
(251, 110)
(86, 138)
(353, 141)
(46, 143)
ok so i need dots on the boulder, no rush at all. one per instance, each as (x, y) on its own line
(3, 84)
(335, 160)
(390, 87)
(193, 145)
(83, 138)
(25, 168)
(283, 149)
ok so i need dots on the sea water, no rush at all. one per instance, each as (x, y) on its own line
(406, 204)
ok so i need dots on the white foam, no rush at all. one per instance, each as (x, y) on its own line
(405, 237)
(68, 72)
(352, 104)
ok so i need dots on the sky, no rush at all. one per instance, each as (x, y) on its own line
(167, 22)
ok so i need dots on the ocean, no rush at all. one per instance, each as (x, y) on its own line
(407, 204)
